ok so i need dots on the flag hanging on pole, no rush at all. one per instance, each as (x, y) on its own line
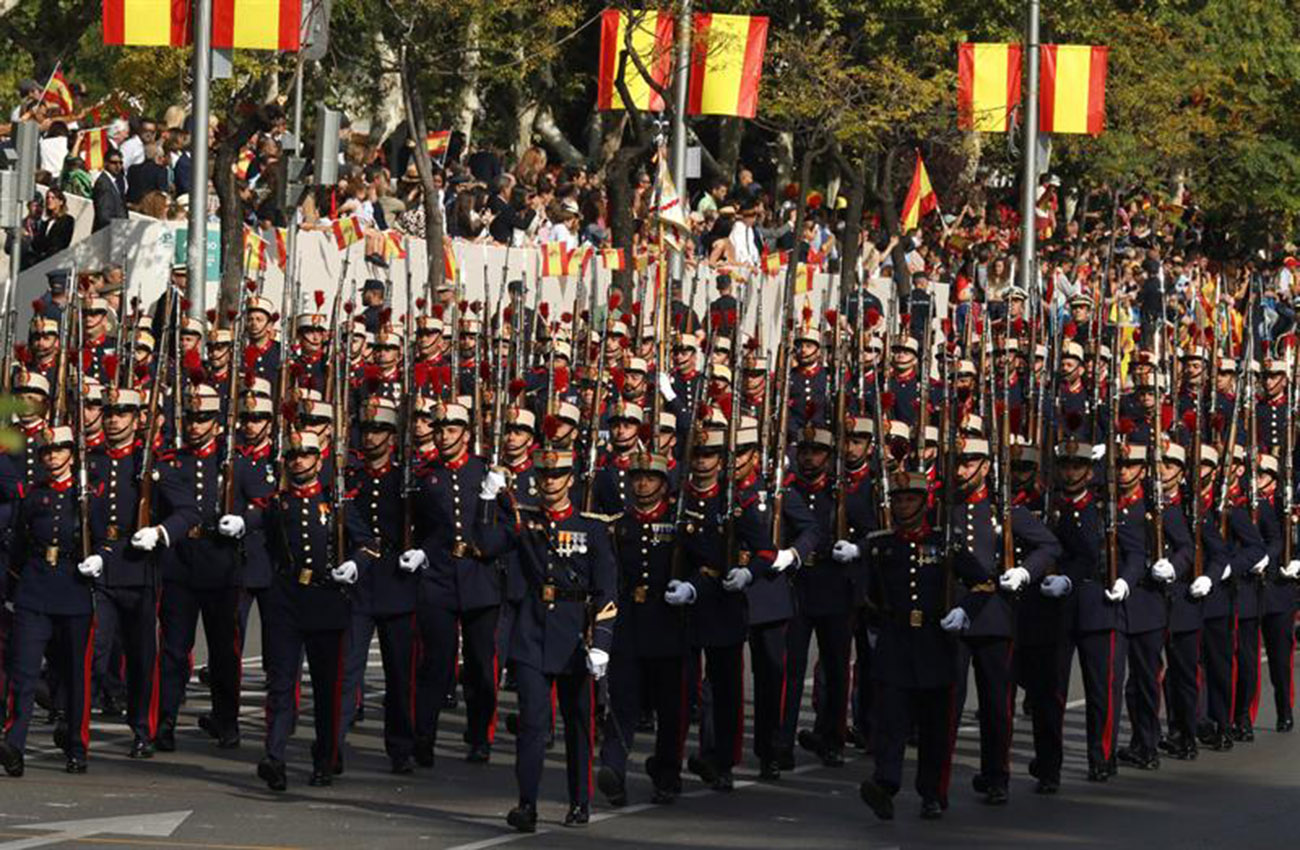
(281, 246)
(669, 210)
(613, 259)
(921, 198)
(450, 271)
(147, 23)
(726, 64)
(243, 163)
(652, 44)
(348, 230)
(394, 247)
(256, 24)
(254, 253)
(93, 147)
(1072, 89)
(772, 262)
(58, 93)
(437, 142)
(803, 278)
(988, 86)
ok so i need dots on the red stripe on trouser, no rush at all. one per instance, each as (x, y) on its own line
(552, 707)
(738, 749)
(496, 694)
(1106, 741)
(1254, 697)
(785, 681)
(1232, 687)
(945, 772)
(336, 704)
(1011, 708)
(155, 689)
(88, 660)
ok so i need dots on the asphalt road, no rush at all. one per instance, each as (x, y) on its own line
(200, 797)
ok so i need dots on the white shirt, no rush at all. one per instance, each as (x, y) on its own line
(744, 244)
(54, 151)
(132, 151)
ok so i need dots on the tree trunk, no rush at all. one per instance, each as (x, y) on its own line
(785, 163)
(618, 180)
(433, 222)
(850, 248)
(731, 131)
(467, 107)
(232, 209)
(614, 123)
(889, 215)
(554, 139)
(387, 114)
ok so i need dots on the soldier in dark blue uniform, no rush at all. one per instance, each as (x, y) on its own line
(384, 597)
(258, 474)
(915, 659)
(33, 394)
(1251, 590)
(904, 380)
(562, 628)
(127, 592)
(53, 601)
(808, 396)
(309, 364)
(459, 587)
(985, 616)
(613, 481)
(1072, 396)
(262, 353)
(650, 643)
(308, 608)
(1277, 614)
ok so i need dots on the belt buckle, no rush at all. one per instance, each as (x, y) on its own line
(52, 555)
(916, 618)
(459, 549)
(304, 577)
(742, 559)
(548, 593)
(196, 532)
(639, 593)
(709, 572)
(112, 532)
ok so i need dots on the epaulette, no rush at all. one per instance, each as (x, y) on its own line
(605, 518)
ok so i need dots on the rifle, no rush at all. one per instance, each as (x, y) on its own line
(840, 394)
(1287, 469)
(1243, 371)
(341, 422)
(144, 507)
(407, 448)
(1004, 455)
(232, 419)
(61, 365)
(83, 461)
(733, 430)
(1112, 466)
(1158, 436)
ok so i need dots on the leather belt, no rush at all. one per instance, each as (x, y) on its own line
(915, 618)
(984, 587)
(464, 549)
(553, 593)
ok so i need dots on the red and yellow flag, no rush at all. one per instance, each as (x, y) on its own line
(394, 246)
(243, 163)
(449, 268)
(147, 23)
(554, 259)
(921, 198)
(772, 262)
(257, 24)
(254, 252)
(93, 147)
(348, 230)
(613, 259)
(988, 86)
(58, 93)
(575, 263)
(726, 64)
(437, 141)
(1072, 89)
(803, 278)
(281, 246)
(652, 43)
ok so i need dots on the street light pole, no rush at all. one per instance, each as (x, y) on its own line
(197, 256)
(1029, 150)
(681, 83)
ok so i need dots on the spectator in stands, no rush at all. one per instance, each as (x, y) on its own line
(150, 174)
(711, 200)
(55, 146)
(143, 132)
(110, 191)
(53, 231)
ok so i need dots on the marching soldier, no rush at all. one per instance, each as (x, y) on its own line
(1277, 607)
(262, 353)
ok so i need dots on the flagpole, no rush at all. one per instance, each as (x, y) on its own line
(197, 255)
(1029, 176)
(46, 90)
(681, 81)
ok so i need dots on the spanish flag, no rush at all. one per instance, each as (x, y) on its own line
(257, 24)
(988, 86)
(921, 199)
(254, 252)
(1072, 89)
(58, 93)
(555, 259)
(348, 230)
(575, 263)
(652, 43)
(613, 259)
(243, 163)
(803, 278)
(437, 141)
(147, 23)
(281, 246)
(772, 262)
(394, 246)
(93, 147)
(449, 268)
(726, 64)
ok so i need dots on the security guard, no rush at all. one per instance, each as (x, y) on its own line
(458, 587)
(384, 597)
(563, 627)
(650, 645)
(308, 608)
(53, 600)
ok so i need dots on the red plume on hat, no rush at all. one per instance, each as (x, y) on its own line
(38, 306)
(21, 354)
(873, 317)
(1189, 420)
(250, 357)
(807, 313)
(372, 377)
(551, 426)
(615, 300)
(420, 373)
(516, 387)
(192, 361)
(566, 318)
(561, 379)
(544, 309)
(439, 309)
(1070, 330)
(1166, 416)
(887, 400)
(319, 296)
(212, 316)
(636, 308)
(420, 302)
(251, 285)
(110, 367)
(1126, 426)
(289, 411)
(619, 378)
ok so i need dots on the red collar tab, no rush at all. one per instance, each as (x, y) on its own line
(1132, 498)
(706, 493)
(916, 535)
(307, 491)
(560, 515)
(62, 485)
(456, 463)
(205, 451)
(980, 495)
(653, 515)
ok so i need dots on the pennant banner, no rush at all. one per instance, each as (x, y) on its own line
(93, 147)
(988, 86)
(613, 259)
(554, 255)
(58, 93)
(348, 230)
(437, 141)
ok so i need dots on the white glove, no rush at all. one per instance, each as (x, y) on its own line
(1227, 572)
(666, 387)
(1014, 579)
(1099, 451)
(1162, 570)
(1118, 591)
(956, 620)
(146, 538)
(92, 567)
(679, 593)
(597, 662)
(1260, 566)
(345, 573)
(843, 551)
(1054, 587)
(1291, 570)
(1201, 587)
(494, 482)
(738, 578)
(411, 560)
(231, 526)
(784, 559)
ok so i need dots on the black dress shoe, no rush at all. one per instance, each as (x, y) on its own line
(612, 786)
(646, 722)
(402, 766)
(858, 737)
(663, 797)
(811, 741)
(523, 817)
(724, 782)
(75, 765)
(450, 702)
(11, 759)
(141, 749)
(1098, 773)
(1047, 786)
(832, 758)
(207, 724)
(996, 796)
(979, 783)
(359, 716)
(1243, 732)
(479, 754)
(111, 709)
(785, 759)
(931, 810)
(273, 773)
(321, 778)
(702, 768)
(1285, 724)
(166, 740)
(577, 815)
(61, 736)
(424, 752)
(878, 799)
(1141, 759)
(769, 770)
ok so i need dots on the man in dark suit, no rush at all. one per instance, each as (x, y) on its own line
(149, 175)
(109, 193)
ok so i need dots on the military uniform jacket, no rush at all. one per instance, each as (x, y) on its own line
(173, 508)
(1182, 610)
(862, 513)
(567, 565)
(201, 557)
(376, 495)
(613, 482)
(459, 576)
(264, 361)
(809, 398)
(1279, 592)
(1080, 528)
(11, 489)
(47, 549)
(823, 586)
(1271, 423)
(1245, 547)
(309, 370)
(720, 617)
(979, 541)
(256, 478)
(648, 627)
(770, 595)
(908, 581)
(300, 530)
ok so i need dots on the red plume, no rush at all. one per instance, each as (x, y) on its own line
(1217, 422)
(905, 320)
(704, 412)
(1209, 335)
(516, 387)
(1126, 426)
(873, 317)
(561, 379)
(886, 400)
(231, 314)
(87, 359)
(372, 377)
(141, 371)
(21, 354)
(752, 343)
(1016, 414)
(289, 411)
(807, 313)
(1166, 416)
(38, 306)
(462, 305)
(715, 318)
(250, 357)
(110, 367)
(551, 426)
(645, 432)
(1018, 327)
(439, 309)
(485, 371)
(196, 376)
(898, 448)
(212, 316)
(419, 303)
(946, 326)
(185, 305)
(1070, 330)
(731, 317)
(192, 361)
(348, 307)
(385, 315)
(619, 377)
(615, 300)
(319, 295)
(1189, 420)
(252, 286)
(475, 306)
(566, 318)
(420, 373)
(545, 309)
(636, 308)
